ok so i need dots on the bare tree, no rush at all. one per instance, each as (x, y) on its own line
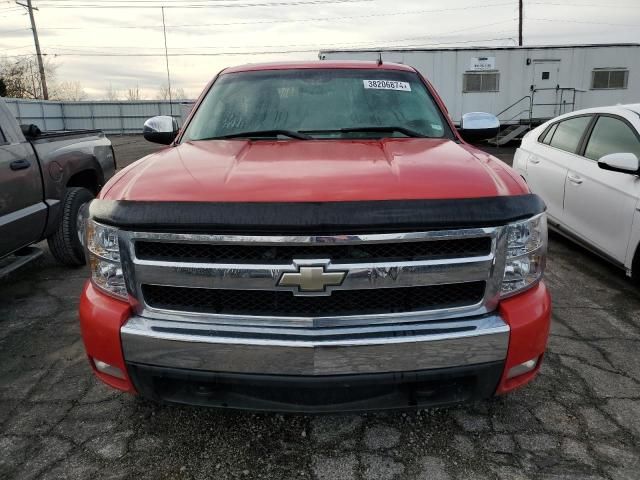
(176, 93)
(133, 94)
(111, 93)
(22, 78)
(71, 91)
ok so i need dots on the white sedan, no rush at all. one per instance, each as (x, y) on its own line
(585, 166)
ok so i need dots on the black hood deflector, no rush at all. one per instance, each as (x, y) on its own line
(316, 217)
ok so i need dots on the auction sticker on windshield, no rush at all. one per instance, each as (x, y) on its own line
(387, 85)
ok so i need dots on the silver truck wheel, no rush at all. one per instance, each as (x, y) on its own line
(66, 243)
(80, 223)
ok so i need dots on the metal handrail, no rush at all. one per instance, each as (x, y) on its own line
(562, 104)
(514, 104)
(517, 114)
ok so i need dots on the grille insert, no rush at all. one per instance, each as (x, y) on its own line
(235, 253)
(339, 303)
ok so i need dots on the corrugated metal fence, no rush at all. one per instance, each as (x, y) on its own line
(117, 117)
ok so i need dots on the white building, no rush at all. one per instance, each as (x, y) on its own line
(520, 84)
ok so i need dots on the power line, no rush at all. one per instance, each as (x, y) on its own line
(252, 52)
(587, 23)
(316, 46)
(16, 48)
(159, 3)
(596, 5)
(261, 22)
(118, 5)
(440, 36)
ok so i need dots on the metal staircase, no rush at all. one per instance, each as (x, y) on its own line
(512, 132)
(515, 127)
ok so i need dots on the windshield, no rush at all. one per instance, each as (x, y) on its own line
(317, 103)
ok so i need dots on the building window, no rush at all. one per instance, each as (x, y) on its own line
(481, 82)
(609, 78)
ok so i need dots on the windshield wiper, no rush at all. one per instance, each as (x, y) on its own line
(405, 131)
(264, 133)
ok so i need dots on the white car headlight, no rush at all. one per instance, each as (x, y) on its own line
(104, 259)
(526, 254)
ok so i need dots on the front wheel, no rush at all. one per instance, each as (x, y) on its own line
(66, 242)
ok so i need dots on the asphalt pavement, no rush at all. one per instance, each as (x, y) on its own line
(580, 419)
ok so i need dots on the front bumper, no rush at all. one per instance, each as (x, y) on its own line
(340, 368)
(311, 352)
(314, 394)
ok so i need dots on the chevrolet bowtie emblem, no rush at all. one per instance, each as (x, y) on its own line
(311, 279)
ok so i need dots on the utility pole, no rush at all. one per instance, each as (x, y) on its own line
(520, 14)
(166, 56)
(43, 80)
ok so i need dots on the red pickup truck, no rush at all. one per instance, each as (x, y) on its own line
(317, 237)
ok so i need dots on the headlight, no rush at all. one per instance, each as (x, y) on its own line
(526, 254)
(104, 259)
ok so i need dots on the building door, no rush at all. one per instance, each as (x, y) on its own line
(546, 80)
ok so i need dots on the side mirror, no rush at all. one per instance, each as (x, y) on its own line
(162, 129)
(476, 126)
(620, 162)
(30, 130)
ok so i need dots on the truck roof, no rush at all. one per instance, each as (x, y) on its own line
(319, 64)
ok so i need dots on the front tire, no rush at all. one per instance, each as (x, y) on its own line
(65, 243)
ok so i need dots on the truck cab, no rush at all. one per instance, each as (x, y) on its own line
(45, 180)
(24, 214)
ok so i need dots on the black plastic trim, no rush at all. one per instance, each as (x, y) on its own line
(308, 394)
(557, 228)
(327, 217)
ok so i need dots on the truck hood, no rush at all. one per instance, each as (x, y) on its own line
(314, 171)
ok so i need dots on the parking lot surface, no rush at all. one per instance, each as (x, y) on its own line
(579, 420)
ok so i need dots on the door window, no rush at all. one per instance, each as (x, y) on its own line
(548, 134)
(569, 133)
(611, 135)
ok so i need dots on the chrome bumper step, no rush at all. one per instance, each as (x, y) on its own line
(327, 351)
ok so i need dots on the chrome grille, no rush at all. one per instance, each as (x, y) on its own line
(374, 252)
(341, 302)
(390, 278)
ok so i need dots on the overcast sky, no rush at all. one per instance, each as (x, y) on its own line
(74, 37)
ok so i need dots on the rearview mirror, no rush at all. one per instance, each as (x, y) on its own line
(476, 126)
(620, 162)
(161, 129)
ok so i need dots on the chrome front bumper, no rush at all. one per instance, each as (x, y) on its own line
(315, 352)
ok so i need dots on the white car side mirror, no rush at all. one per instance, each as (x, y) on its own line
(620, 162)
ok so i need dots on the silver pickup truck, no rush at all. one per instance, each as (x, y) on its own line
(45, 179)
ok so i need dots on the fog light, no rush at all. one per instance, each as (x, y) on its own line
(108, 369)
(522, 368)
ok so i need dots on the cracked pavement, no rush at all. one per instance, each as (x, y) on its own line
(580, 419)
